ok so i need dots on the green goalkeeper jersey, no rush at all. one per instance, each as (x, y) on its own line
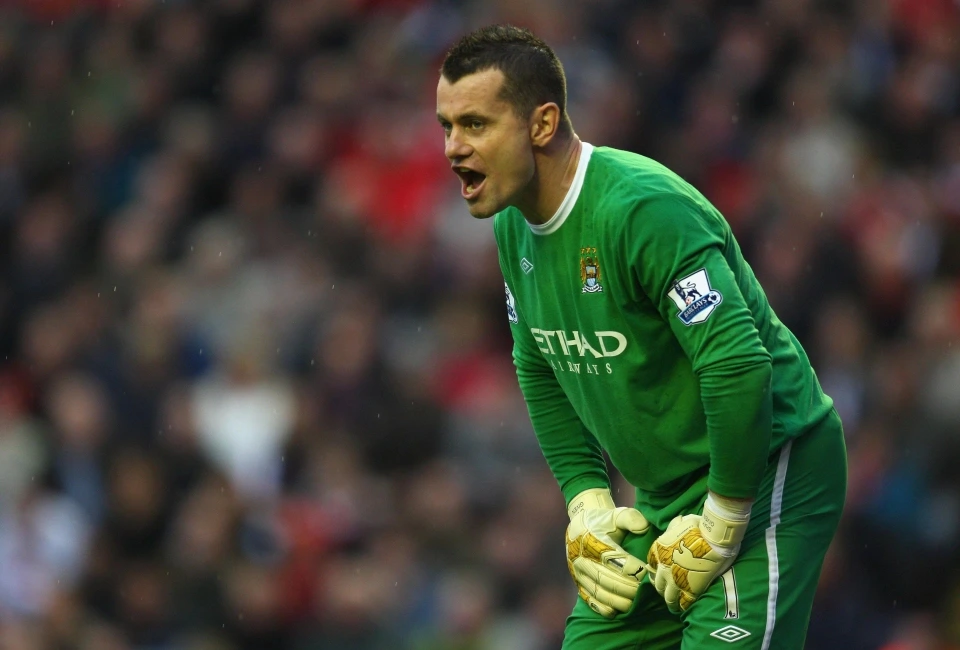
(639, 329)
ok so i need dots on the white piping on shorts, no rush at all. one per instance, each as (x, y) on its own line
(776, 506)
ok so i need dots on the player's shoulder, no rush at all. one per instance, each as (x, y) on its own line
(508, 225)
(623, 181)
(630, 178)
(637, 191)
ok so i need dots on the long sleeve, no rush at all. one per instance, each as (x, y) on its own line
(681, 258)
(571, 451)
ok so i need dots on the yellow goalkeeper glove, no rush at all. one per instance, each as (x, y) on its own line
(606, 575)
(695, 549)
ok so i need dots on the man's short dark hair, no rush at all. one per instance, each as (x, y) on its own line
(533, 75)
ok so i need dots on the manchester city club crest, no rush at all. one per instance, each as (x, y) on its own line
(694, 297)
(590, 274)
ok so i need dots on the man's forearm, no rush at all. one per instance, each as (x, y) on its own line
(738, 409)
(572, 453)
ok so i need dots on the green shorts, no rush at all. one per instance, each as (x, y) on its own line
(764, 600)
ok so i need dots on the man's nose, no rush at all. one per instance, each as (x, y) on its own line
(455, 148)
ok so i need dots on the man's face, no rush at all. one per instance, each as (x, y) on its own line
(487, 143)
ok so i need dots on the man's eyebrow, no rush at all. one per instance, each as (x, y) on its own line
(463, 118)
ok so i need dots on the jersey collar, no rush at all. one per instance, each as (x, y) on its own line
(566, 207)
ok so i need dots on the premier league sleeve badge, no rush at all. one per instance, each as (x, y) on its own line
(694, 297)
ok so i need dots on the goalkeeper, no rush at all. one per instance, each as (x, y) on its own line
(640, 330)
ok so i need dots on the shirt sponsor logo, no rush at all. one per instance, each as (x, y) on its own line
(603, 344)
(694, 297)
(590, 274)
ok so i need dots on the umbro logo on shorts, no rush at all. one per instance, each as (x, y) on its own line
(730, 633)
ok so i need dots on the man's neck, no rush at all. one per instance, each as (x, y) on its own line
(556, 169)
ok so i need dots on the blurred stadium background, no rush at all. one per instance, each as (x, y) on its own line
(255, 388)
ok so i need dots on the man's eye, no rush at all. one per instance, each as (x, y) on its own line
(476, 125)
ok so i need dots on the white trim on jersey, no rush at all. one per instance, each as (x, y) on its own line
(570, 200)
(776, 506)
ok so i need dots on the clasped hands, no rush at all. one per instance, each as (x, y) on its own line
(681, 563)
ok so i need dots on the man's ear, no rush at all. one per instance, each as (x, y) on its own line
(544, 124)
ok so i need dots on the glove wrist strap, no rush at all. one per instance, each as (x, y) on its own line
(593, 498)
(722, 527)
(730, 508)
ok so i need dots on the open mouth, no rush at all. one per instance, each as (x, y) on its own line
(470, 182)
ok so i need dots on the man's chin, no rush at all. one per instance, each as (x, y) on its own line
(481, 212)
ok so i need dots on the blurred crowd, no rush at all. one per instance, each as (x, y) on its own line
(255, 383)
